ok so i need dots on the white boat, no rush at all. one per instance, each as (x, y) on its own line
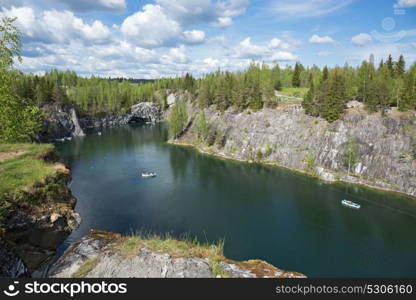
(148, 174)
(350, 204)
(99, 133)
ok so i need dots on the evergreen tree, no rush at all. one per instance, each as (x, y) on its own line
(296, 75)
(177, 120)
(390, 65)
(202, 126)
(335, 103)
(325, 74)
(400, 67)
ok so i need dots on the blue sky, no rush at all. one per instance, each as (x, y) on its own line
(152, 39)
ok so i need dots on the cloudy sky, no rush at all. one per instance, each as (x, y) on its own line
(152, 39)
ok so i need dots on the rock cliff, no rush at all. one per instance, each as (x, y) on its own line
(64, 121)
(384, 147)
(103, 255)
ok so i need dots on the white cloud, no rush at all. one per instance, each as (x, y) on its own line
(217, 13)
(276, 43)
(223, 22)
(247, 50)
(316, 39)
(125, 50)
(154, 27)
(56, 26)
(361, 39)
(193, 36)
(297, 9)
(94, 5)
(273, 51)
(405, 3)
(175, 56)
(324, 53)
(151, 27)
(283, 56)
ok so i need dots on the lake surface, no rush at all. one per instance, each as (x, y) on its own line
(290, 220)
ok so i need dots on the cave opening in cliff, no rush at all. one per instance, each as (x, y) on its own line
(138, 120)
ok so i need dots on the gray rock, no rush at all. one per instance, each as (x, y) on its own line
(386, 147)
(10, 264)
(97, 250)
(77, 130)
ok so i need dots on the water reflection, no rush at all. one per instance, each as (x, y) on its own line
(290, 220)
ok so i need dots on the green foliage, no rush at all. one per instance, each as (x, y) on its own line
(177, 120)
(268, 151)
(202, 126)
(299, 92)
(350, 153)
(19, 118)
(310, 161)
(325, 91)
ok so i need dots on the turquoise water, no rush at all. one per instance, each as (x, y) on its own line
(292, 221)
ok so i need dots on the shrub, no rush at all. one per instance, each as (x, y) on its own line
(177, 119)
(310, 161)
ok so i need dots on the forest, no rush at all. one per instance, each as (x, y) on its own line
(389, 84)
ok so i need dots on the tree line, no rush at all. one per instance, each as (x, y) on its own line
(387, 85)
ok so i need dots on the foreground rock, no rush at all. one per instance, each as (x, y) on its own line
(385, 147)
(108, 255)
(41, 218)
(10, 264)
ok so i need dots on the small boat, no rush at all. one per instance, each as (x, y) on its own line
(350, 204)
(60, 140)
(99, 133)
(148, 174)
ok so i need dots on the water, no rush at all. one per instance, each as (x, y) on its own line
(292, 221)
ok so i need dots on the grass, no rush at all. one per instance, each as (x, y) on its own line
(217, 270)
(21, 172)
(26, 169)
(129, 246)
(86, 267)
(294, 92)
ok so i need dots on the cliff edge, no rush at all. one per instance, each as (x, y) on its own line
(368, 149)
(109, 255)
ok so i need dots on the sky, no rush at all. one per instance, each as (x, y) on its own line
(159, 38)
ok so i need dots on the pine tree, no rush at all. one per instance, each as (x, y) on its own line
(325, 74)
(296, 75)
(400, 67)
(308, 102)
(335, 103)
(408, 98)
(390, 65)
(202, 126)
